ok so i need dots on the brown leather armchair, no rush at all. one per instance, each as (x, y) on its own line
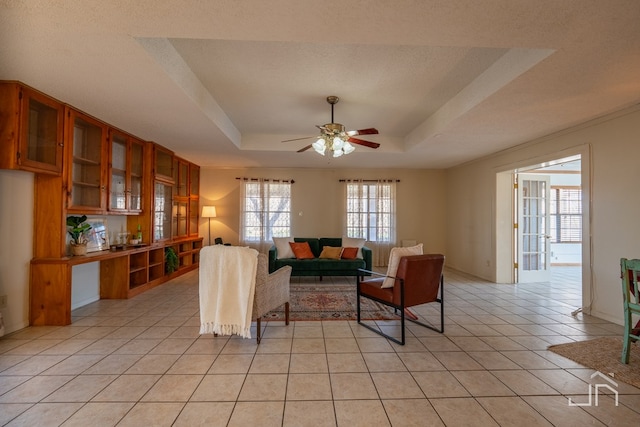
(419, 280)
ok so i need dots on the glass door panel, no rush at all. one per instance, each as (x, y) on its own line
(162, 211)
(86, 167)
(137, 150)
(118, 184)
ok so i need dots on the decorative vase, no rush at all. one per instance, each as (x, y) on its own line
(78, 249)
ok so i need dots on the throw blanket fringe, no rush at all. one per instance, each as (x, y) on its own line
(227, 289)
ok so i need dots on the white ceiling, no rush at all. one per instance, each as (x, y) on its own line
(222, 83)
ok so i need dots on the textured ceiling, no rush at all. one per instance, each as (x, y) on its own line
(222, 83)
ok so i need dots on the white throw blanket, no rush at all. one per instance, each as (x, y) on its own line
(227, 287)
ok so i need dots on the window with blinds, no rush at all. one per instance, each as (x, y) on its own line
(566, 214)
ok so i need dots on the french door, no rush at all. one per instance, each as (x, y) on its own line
(533, 228)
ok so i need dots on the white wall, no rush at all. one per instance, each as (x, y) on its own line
(16, 242)
(317, 194)
(614, 177)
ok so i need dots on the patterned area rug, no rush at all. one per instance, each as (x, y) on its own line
(603, 355)
(328, 302)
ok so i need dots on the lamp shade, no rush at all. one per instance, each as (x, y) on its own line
(209, 212)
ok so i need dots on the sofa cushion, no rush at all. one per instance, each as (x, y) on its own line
(349, 242)
(330, 241)
(283, 250)
(394, 260)
(331, 252)
(302, 250)
(349, 253)
(314, 244)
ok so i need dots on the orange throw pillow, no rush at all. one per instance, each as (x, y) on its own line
(349, 253)
(301, 250)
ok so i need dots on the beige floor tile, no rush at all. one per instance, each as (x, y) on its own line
(278, 330)
(139, 346)
(81, 389)
(439, 384)
(207, 346)
(173, 388)
(341, 345)
(263, 414)
(308, 363)
(68, 347)
(309, 414)
(361, 413)
(470, 344)
(103, 346)
(557, 411)
(270, 364)
(562, 381)
(493, 360)
(153, 364)
(218, 388)
(151, 414)
(100, 414)
(275, 345)
(503, 343)
(74, 365)
(529, 360)
(439, 343)
(126, 388)
(308, 345)
(9, 382)
(113, 364)
(173, 346)
(191, 364)
(34, 347)
(346, 362)
(456, 360)
(396, 385)
(308, 387)
(608, 413)
(512, 411)
(314, 331)
(205, 414)
(424, 361)
(353, 386)
(411, 412)
(383, 362)
(263, 387)
(34, 365)
(524, 383)
(482, 383)
(35, 389)
(462, 412)
(231, 364)
(46, 414)
(374, 345)
(236, 345)
(9, 411)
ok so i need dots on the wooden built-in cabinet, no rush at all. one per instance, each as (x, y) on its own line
(126, 161)
(31, 130)
(84, 166)
(86, 143)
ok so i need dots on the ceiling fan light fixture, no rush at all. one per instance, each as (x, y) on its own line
(348, 148)
(337, 153)
(319, 146)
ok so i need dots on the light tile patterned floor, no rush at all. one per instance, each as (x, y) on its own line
(142, 362)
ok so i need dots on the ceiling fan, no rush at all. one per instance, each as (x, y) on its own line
(334, 138)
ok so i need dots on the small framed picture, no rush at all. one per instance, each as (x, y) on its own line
(98, 236)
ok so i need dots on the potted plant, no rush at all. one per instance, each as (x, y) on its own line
(170, 259)
(77, 229)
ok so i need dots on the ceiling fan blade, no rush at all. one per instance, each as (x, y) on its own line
(298, 139)
(363, 142)
(368, 131)
(304, 149)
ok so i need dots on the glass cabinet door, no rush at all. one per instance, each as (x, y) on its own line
(41, 133)
(137, 154)
(193, 217)
(180, 218)
(162, 211)
(118, 183)
(87, 186)
(182, 183)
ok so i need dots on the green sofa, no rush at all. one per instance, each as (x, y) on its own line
(321, 267)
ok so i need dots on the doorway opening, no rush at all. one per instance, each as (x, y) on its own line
(547, 232)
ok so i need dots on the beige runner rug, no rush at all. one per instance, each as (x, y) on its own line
(603, 354)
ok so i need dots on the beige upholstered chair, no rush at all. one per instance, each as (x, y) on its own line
(272, 290)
